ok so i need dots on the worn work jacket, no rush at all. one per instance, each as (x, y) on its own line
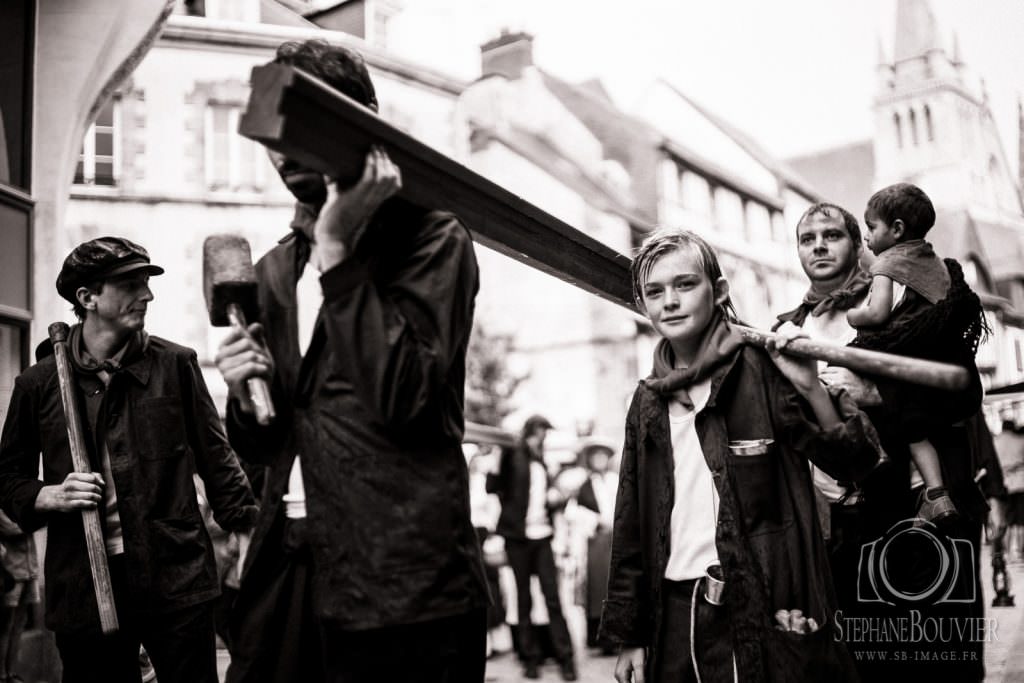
(768, 536)
(374, 408)
(160, 426)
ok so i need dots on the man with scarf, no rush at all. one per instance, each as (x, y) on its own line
(364, 565)
(149, 425)
(829, 246)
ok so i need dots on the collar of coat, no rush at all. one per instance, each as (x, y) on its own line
(653, 406)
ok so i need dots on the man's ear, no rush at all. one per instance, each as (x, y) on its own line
(899, 228)
(86, 298)
(721, 291)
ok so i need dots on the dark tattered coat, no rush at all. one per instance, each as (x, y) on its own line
(768, 538)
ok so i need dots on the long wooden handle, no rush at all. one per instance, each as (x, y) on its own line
(903, 368)
(90, 518)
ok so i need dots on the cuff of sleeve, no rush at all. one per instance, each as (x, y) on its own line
(28, 518)
(622, 623)
(343, 278)
(245, 520)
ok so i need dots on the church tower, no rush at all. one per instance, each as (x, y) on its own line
(933, 126)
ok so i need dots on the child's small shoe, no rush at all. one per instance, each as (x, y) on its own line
(936, 506)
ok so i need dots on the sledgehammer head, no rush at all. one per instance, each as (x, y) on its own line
(228, 278)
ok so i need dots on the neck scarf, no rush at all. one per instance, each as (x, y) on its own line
(84, 362)
(844, 297)
(717, 345)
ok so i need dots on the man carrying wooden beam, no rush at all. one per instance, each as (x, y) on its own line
(829, 246)
(364, 565)
(149, 425)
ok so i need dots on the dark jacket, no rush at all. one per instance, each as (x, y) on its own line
(375, 410)
(160, 426)
(512, 486)
(768, 536)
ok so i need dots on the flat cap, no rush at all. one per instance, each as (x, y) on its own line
(101, 259)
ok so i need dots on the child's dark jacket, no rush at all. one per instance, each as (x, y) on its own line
(768, 538)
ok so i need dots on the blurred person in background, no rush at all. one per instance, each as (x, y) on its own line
(1010, 451)
(528, 501)
(597, 494)
(484, 509)
(21, 591)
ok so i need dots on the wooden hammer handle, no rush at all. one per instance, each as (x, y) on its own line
(90, 518)
(903, 368)
(259, 391)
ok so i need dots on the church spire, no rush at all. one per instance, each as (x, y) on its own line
(916, 31)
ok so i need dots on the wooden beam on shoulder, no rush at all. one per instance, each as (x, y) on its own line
(305, 119)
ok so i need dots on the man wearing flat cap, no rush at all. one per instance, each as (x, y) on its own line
(149, 425)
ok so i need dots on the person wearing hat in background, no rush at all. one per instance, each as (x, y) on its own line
(528, 500)
(149, 423)
(598, 495)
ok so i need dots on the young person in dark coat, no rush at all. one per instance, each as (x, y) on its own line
(527, 502)
(597, 494)
(364, 565)
(715, 480)
(149, 424)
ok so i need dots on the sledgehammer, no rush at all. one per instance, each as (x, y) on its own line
(229, 284)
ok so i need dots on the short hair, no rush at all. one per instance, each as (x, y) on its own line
(338, 66)
(665, 241)
(827, 209)
(79, 309)
(905, 202)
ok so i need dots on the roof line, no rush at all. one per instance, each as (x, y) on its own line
(750, 146)
(182, 29)
(601, 191)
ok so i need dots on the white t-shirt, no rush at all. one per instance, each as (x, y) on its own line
(538, 524)
(695, 508)
(831, 326)
(309, 296)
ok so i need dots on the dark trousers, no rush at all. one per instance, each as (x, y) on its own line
(709, 632)
(447, 650)
(273, 630)
(528, 557)
(278, 638)
(180, 644)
